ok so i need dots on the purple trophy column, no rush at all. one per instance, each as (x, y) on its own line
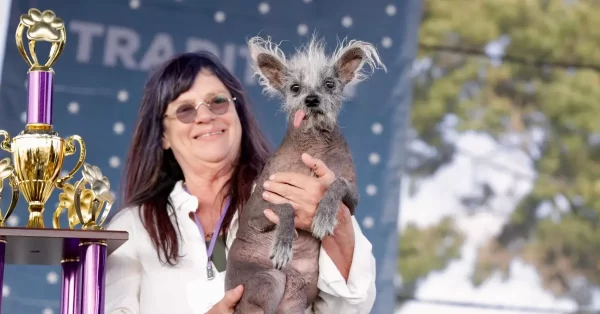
(39, 108)
(93, 259)
(2, 255)
(70, 294)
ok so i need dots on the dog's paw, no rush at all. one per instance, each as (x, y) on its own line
(325, 221)
(282, 249)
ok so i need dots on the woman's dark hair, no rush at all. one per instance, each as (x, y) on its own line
(151, 171)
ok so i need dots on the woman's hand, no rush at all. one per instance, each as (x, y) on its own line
(303, 192)
(229, 301)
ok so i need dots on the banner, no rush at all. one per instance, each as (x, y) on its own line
(112, 44)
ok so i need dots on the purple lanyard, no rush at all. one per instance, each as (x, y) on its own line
(209, 271)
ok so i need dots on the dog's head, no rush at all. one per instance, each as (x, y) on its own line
(312, 82)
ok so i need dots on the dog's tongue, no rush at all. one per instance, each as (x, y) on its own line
(298, 117)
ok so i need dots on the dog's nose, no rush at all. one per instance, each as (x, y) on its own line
(312, 101)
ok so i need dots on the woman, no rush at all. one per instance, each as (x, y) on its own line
(195, 154)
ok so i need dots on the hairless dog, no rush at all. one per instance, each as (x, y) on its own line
(278, 265)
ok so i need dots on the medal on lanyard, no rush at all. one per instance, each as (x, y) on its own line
(209, 269)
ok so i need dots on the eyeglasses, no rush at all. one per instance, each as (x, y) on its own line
(187, 113)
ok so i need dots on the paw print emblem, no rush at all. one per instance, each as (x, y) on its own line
(43, 26)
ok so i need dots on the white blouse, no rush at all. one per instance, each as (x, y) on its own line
(137, 283)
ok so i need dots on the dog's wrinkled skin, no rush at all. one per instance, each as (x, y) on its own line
(311, 83)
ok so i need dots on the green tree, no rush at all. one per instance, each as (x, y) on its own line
(426, 250)
(560, 101)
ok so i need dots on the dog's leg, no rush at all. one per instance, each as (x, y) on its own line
(258, 221)
(261, 224)
(325, 220)
(262, 293)
(282, 249)
(351, 197)
(295, 297)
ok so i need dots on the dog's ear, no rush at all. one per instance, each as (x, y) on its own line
(269, 62)
(350, 59)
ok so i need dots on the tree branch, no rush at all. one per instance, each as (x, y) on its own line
(510, 58)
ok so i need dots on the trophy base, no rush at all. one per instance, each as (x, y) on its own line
(39, 128)
(91, 226)
(82, 255)
(36, 218)
(36, 221)
(45, 246)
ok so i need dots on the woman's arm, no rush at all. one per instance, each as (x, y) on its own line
(123, 269)
(340, 245)
(346, 271)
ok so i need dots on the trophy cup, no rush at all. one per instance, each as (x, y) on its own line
(38, 154)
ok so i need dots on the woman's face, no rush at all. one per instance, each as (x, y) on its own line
(209, 139)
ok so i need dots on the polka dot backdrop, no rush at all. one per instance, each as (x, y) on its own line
(112, 45)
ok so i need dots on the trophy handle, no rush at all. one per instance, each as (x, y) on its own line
(70, 150)
(13, 201)
(56, 217)
(56, 49)
(99, 209)
(107, 206)
(5, 144)
(77, 199)
(20, 47)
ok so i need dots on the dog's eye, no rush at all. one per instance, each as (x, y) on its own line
(295, 88)
(330, 84)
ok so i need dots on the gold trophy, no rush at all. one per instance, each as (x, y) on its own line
(88, 207)
(38, 155)
(38, 152)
